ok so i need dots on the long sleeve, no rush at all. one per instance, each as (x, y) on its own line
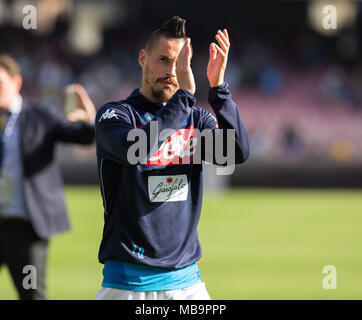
(227, 117)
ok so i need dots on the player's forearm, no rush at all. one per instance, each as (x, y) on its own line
(228, 117)
(176, 111)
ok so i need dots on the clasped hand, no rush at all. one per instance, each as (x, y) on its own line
(215, 68)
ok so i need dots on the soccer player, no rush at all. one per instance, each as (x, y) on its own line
(150, 244)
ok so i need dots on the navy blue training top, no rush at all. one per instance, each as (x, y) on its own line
(152, 209)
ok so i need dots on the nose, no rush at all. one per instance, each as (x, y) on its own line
(172, 71)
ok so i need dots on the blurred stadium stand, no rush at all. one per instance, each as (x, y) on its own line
(298, 87)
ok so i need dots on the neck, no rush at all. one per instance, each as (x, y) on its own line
(14, 105)
(9, 102)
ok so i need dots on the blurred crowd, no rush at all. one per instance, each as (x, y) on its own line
(304, 112)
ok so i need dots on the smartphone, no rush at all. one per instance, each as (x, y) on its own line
(71, 99)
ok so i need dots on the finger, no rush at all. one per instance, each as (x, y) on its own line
(222, 44)
(183, 50)
(223, 37)
(85, 100)
(226, 34)
(223, 41)
(188, 51)
(79, 89)
(213, 51)
(219, 50)
(181, 57)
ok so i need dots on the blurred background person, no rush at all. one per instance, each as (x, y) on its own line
(32, 207)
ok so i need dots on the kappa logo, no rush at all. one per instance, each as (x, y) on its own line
(108, 114)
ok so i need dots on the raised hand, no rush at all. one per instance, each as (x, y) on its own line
(218, 59)
(185, 77)
(85, 110)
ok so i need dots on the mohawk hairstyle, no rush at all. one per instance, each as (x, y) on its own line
(173, 28)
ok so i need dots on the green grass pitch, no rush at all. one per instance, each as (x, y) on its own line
(257, 244)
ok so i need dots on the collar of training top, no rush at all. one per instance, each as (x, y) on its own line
(143, 103)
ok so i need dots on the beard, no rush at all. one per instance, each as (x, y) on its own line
(162, 94)
(159, 93)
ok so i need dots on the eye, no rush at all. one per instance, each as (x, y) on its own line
(164, 59)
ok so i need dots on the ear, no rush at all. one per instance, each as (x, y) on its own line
(18, 82)
(142, 57)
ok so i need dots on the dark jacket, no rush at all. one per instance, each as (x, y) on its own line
(40, 129)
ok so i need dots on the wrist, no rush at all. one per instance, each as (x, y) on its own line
(185, 92)
(219, 93)
(214, 84)
(190, 90)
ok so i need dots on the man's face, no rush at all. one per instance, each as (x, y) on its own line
(159, 79)
(9, 88)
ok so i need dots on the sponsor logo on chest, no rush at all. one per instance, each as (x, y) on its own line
(168, 188)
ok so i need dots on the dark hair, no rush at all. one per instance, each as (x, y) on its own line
(9, 64)
(173, 28)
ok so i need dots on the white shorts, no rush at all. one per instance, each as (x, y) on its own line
(195, 292)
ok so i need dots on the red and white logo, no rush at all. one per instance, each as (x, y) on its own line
(177, 149)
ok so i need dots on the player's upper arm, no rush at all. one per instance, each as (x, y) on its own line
(113, 123)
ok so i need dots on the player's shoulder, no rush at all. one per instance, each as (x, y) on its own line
(118, 106)
(113, 109)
